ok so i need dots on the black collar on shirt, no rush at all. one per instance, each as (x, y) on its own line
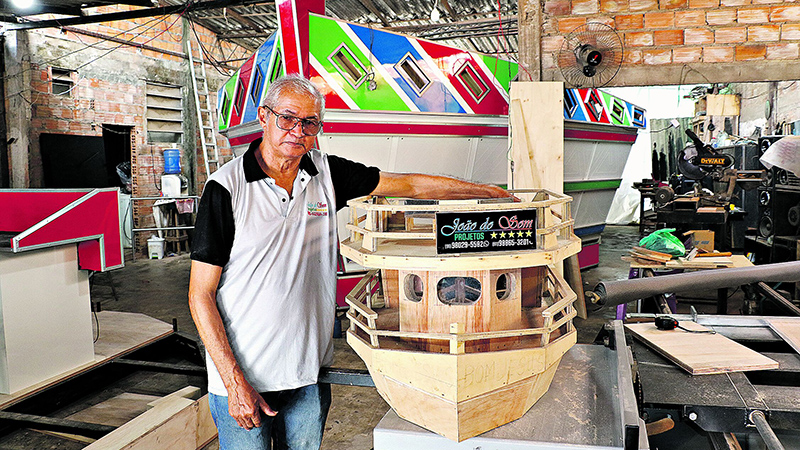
(253, 172)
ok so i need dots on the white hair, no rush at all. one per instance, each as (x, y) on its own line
(293, 83)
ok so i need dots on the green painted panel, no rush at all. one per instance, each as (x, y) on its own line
(227, 107)
(616, 119)
(325, 37)
(505, 72)
(576, 186)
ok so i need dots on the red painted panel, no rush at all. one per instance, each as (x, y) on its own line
(97, 215)
(295, 42)
(332, 99)
(450, 60)
(22, 210)
(589, 256)
(599, 136)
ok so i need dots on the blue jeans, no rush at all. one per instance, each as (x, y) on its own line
(297, 426)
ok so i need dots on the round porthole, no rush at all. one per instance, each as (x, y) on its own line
(458, 290)
(504, 286)
(412, 286)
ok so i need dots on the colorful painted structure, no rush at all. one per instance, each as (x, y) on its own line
(392, 100)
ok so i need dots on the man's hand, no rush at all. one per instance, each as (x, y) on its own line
(246, 405)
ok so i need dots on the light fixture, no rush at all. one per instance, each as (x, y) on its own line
(435, 12)
(22, 4)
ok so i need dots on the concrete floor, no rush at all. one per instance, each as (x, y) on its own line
(159, 288)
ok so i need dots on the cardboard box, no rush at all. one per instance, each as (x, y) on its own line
(702, 239)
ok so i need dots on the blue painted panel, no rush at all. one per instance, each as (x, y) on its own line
(389, 49)
(577, 110)
(262, 60)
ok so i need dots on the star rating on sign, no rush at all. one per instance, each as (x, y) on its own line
(494, 235)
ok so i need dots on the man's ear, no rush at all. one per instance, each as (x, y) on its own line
(263, 117)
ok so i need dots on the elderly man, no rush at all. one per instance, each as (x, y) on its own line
(263, 277)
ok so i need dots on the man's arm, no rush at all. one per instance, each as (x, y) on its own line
(415, 185)
(244, 403)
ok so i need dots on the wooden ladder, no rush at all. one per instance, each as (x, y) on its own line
(205, 115)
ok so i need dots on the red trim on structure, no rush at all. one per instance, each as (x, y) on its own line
(402, 128)
(599, 136)
(332, 99)
(393, 128)
(294, 14)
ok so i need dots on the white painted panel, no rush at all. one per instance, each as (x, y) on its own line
(577, 155)
(589, 208)
(491, 160)
(594, 160)
(446, 155)
(46, 315)
(371, 150)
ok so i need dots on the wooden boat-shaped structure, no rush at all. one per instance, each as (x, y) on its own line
(461, 343)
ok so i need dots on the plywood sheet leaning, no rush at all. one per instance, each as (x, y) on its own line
(788, 329)
(700, 353)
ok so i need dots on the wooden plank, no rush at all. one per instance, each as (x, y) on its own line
(120, 334)
(705, 263)
(700, 353)
(788, 329)
(537, 125)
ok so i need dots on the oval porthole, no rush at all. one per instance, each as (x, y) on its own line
(458, 290)
(412, 286)
(504, 286)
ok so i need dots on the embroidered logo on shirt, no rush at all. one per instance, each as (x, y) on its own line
(317, 209)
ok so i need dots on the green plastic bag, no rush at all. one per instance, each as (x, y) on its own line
(663, 241)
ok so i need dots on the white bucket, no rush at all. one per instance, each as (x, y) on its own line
(155, 247)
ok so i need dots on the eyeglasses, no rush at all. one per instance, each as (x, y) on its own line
(286, 122)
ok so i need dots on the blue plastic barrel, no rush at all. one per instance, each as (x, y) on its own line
(172, 161)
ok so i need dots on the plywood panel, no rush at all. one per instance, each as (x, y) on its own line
(789, 330)
(700, 353)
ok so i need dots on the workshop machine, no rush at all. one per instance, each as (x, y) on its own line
(706, 166)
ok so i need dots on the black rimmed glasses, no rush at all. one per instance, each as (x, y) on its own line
(287, 122)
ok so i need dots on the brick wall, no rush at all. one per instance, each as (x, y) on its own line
(682, 41)
(110, 82)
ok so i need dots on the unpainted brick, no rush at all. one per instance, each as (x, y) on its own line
(557, 7)
(750, 52)
(786, 51)
(629, 21)
(552, 43)
(638, 39)
(730, 35)
(734, 2)
(690, 19)
(718, 54)
(643, 5)
(613, 6)
(721, 17)
(687, 54)
(763, 33)
(657, 56)
(668, 37)
(567, 24)
(790, 31)
(785, 14)
(766, 2)
(753, 15)
(703, 4)
(659, 20)
(698, 36)
(672, 4)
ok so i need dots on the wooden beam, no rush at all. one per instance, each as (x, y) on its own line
(529, 23)
(245, 21)
(449, 9)
(371, 7)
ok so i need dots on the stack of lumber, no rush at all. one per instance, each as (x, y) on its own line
(642, 255)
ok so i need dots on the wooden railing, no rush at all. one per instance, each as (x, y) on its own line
(369, 216)
(364, 318)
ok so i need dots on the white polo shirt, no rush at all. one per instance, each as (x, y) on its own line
(278, 251)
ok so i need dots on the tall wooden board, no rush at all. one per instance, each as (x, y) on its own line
(700, 353)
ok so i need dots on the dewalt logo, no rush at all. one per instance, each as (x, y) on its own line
(713, 161)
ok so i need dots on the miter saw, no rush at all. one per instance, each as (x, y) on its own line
(700, 162)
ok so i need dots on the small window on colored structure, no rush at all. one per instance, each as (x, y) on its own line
(412, 287)
(277, 68)
(617, 111)
(594, 105)
(458, 290)
(504, 286)
(473, 82)
(412, 74)
(226, 107)
(62, 81)
(638, 117)
(570, 104)
(348, 66)
(238, 103)
(258, 83)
